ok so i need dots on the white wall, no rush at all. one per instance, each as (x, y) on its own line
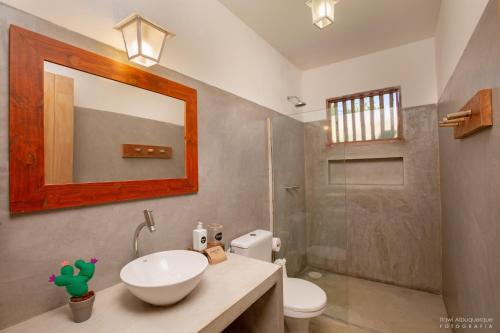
(97, 93)
(212, 45)
(457, 21)
(411, 66)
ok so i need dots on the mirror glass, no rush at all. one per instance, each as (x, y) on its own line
(100, 130)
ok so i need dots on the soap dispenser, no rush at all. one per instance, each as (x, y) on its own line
(199, 237)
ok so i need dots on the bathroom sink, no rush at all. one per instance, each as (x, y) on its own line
(164, 278)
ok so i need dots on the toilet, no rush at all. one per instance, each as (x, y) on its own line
(302, 300)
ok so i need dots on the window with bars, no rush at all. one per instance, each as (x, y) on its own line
(368, 116)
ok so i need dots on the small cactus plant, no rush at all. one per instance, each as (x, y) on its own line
(76, 285)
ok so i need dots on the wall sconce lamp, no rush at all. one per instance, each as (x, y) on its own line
(323, 12)
(143, 39)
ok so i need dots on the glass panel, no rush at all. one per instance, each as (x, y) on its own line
(366, 118)
(367, 115)
(311, 221)
(357, 119)
(387, 117)
(289, 191)
(322, 12)
(348, 121)
(341, 122)
(376, 116)
(130, 36)
(89, 120)
(333, 123)
(151, 40)
(395, 110)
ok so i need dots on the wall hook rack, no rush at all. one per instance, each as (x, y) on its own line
(474, 116)
(146, 151)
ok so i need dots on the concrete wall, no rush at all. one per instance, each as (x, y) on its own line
(233, 176)
(289, 204)
(97, 154)
(470, 183)
(381, 230)
(456, 23)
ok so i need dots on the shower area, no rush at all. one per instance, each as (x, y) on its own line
(362, 221)
(309, 208)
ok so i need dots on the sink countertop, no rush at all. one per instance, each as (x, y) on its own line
(226, 291)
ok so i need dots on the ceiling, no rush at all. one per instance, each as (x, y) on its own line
(360, 27)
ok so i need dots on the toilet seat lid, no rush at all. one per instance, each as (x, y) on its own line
(303, 296)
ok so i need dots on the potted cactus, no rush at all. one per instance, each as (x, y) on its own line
(82, 299)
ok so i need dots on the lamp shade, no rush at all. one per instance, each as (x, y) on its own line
(143, 39)
(323, 12)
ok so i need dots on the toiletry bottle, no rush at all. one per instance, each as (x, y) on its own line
(215, 235)
(199, 237)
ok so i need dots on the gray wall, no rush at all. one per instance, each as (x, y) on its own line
(380, 228)
(99, 136)
(289, 205)
(233, 177)
(470, 183)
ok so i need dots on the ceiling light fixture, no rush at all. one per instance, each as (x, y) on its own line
(323, 12)
(143, 39)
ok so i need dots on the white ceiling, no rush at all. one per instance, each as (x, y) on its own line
(360, 27)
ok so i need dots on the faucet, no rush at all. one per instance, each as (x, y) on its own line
(150, 223)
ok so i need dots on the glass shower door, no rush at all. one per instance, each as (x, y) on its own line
(289, 192)
(309, 192)
(326, 215)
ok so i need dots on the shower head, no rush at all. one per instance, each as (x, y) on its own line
(297, 102)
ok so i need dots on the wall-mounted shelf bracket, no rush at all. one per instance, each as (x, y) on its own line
(475, 115)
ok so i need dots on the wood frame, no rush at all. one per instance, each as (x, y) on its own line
(28, 191)
(371, 94)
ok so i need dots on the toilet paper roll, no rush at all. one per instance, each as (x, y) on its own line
(276, 244)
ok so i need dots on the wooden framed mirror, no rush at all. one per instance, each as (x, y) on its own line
(86, 129)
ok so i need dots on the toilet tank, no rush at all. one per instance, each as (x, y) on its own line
(256, 244)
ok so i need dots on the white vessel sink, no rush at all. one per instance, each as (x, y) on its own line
(164, 278)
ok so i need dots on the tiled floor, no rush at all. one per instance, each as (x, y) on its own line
(325, 324)
(362, 306)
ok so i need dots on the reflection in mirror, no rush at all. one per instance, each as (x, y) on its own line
(99, 130)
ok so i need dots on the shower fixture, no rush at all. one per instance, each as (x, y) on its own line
(297, 102)
(149, 222)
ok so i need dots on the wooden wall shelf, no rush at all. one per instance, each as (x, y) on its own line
(474, 116)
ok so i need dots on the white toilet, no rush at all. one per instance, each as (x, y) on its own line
(302, 300)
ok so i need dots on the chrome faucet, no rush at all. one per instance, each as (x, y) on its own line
(150, 223)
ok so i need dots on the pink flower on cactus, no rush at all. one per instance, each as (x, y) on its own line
(93, 260)
(52, 278)
(64, 263)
